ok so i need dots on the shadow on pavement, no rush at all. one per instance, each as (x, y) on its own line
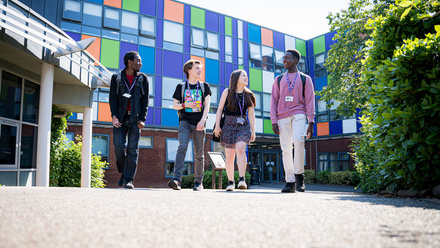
(395, 202)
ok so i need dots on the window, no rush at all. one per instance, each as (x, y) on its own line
(198, 38)
(104, 95)
(130, 22)
(100, 146)
(151, 85)
(228, 49)
(266, 105)
(145, 142)
(255, 55)
(171, 147)
(240, 52)
(112, 18)
(92, 15)
(10, 96)
(147, 27)
(168, 87)
(213, 43)
(28, 146)
(201, 41)
(279, 67)
(258, 110)
(173, 36)
(302, 65)
(129, 38)
(334, 161)
(267, 54)
(31, 101)
(240, 29)
(8, 139)
(72, 10)
(214, 99)
(319, 65)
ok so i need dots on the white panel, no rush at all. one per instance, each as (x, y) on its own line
(289, 42)
(268, 79)
(349, 126)
(95, 111)
(210, 122)
(259, 125)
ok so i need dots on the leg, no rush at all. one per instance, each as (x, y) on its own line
(119, 143)
(286, 141)
(132, 151)
(229, 163)
(298, 124)
(199, 156)
(184, 136)
(240, 149)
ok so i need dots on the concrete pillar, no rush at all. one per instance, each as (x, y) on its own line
(86, 160)
(44, 123)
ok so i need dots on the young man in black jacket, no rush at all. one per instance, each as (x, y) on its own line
(129, 96)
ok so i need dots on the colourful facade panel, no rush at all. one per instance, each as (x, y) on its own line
(320, 83)
(254, 33)
(132, 5)
(211, 22)
(319, 45)
(173, 64)
(197, 17)
(173, 11)
(113, 3)
(212, 71)
(267, 126)
(147, 7)
(322, 129)
(110, 53)
(278, 41)
(228, 25)
(169, 118)
(266, 37)
(335, 127)
(104, 113)
(301, 47)
(255, 79)
(148, 59)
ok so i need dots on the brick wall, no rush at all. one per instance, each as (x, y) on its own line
(324, 146)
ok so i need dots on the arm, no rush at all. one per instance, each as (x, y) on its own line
(309, 94)
(218, 116)
(114, 102)
(274, 106)
(144, 104)
(251, 112)
(207, 104)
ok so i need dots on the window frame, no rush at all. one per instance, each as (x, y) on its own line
(149, 35)
(152, 140)
(189, 163)
(80, 11)
(104, 18)
(103, 155)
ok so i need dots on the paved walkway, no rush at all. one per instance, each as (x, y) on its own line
(324, 216)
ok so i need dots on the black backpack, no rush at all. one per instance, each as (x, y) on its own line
(303, 79)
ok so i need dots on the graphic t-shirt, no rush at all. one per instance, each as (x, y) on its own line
(191, 94)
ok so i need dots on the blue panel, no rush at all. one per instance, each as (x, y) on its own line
(159, 33)
(314, 129)
(245, 31)
(158, 62)
(222, 88)
(147, 7)
(160, 8)
(235, 50)
(222, 47)
(335, 127)
(254, 33)
(221, 24)
(158, 92)
(278, 40)
(234, 27)
(170, 118)
(73, 116)
(173, 64)
(309, 48)
(37, 7)
(234, 67)
(211, 71)
(49, 8)
(187, 39)
(211, 21)
(95, 1)
(187, 15)
(222, 73)
(157, 114)
(228, 71)
(320, 82)
(329, 41)
(125, 47)
(311, 64)
(150, 115)
(245, 53)
(148, 61)
(75, 36)
(186, 57)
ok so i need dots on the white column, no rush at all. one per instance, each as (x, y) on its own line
(44, 122)
(86, 160)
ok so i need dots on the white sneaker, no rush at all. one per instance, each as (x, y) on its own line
(231, 186)
(242, 185)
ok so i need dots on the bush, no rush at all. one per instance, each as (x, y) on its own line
(341, 178)
(323, 177)
(310, 176)
(188, 181)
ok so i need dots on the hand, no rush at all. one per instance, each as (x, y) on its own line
(141, 124)
(253, 136)
(310, 130)
(116, 122)
(276, 129)
(200, 125)
(217, 131)
(190, 104)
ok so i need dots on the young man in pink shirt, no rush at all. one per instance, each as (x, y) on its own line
(289, 106)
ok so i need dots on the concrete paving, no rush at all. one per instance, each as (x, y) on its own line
(323, 216)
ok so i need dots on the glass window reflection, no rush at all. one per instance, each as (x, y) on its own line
(31, 100)
(10, 96)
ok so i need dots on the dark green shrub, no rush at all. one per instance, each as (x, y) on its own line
(188, 181)
(310, 176)
(323, 177)
(341, 178)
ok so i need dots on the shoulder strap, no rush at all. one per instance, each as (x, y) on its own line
(303, 79)
(182, 90)
(279, 80)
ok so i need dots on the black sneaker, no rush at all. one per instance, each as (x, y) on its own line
(121, 181)
(300, 186)
(289, 188)
(198, 186)
(174, 184)
(231, 186)
(129, 183)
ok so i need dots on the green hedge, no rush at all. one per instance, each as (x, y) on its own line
(188, 181)
(348, 177)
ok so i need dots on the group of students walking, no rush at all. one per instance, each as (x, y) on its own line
(292, 102)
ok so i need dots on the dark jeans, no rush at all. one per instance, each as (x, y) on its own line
(185, 130)
(126, 161)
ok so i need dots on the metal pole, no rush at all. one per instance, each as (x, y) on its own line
(86, 161)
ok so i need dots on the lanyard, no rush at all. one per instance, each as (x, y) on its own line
(132, 85)
(291, 83)
(197, 90)
(241, 108)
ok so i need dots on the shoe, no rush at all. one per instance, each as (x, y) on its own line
(231, 186)
(129, 184)
(242, 184)
(300, 186)
(198, 186)
(289, 188)
(121, 181)
(174, 184)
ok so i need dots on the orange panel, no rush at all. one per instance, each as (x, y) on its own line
(202, 60)
(322, 129)
(104, 113)
(173, 11)
(95, 48)
(113, 3)
(266, 37)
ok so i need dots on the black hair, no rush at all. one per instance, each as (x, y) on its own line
(295, 53)
(130, 56)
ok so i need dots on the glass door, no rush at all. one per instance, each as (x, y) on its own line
(8, 145)
(271, 166)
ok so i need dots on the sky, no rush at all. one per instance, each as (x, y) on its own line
(303, 19)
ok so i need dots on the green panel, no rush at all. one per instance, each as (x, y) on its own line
(197, 17)
(267, 126)
(255, 79)
(240, 67)
(228, 26)
(319, 45)
(132, 5)
(301, 47)
(110, 53)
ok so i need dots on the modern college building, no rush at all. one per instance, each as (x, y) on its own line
(167, 33)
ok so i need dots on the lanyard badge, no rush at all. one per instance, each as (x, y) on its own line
(240, 120)
(290, 86)
(128, 95)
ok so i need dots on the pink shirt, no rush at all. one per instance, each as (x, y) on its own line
(280, 108)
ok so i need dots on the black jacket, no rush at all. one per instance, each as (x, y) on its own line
(139, 97)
